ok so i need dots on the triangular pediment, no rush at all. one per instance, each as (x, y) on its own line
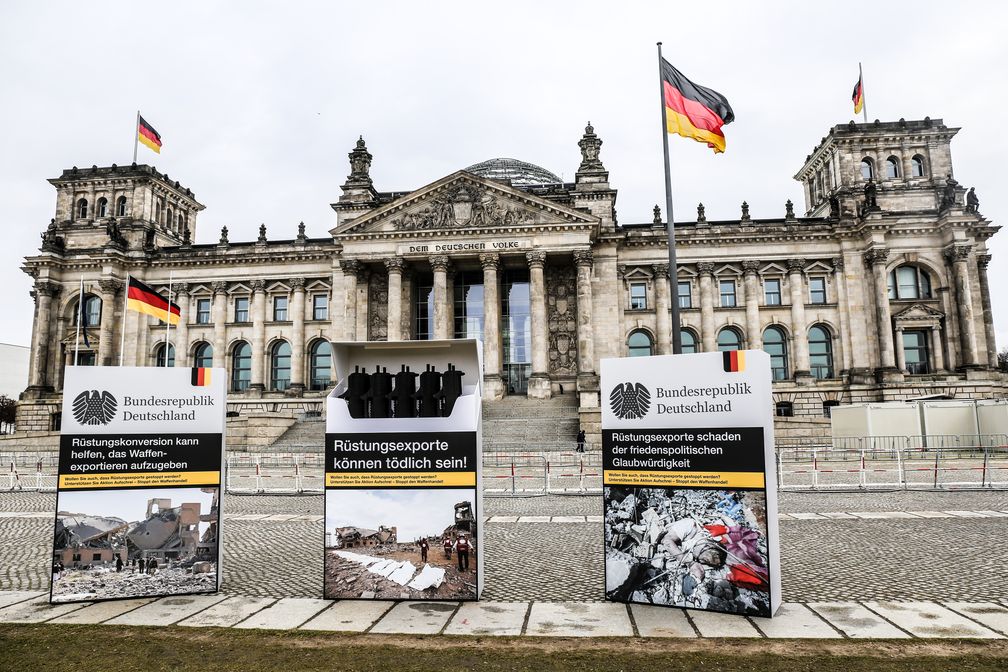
(918, 312)
(463, 201)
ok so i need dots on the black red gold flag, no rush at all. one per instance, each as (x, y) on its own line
(143, 299)
(694, 111)
(147, 135)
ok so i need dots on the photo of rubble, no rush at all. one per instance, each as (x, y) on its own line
(704, 549)
(112, 544)
(401, 544)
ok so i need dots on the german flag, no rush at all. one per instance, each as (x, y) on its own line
(147, 135)
(694, 111)
(858, 96)
(200, 376)
(144, 299)
(734, 361)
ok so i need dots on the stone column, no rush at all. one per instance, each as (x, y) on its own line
(219, 288)
(257, 384)
(441, 327)
(958, 256)
(587, 380)
(539, 382)
(395, 308)
(181, 291)
(900, 352)
(363, 303)
(493, 382)
(707, 335)
(663, 316)
(936, 348)
(799, 329)
(106, 331)
(450, 304)
(876, 259)
(843, 308)
(351, 267)
(752, 292)
(297, 310)
(985, 299)
(44, 292)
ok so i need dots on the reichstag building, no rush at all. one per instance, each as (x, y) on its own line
(877, 292)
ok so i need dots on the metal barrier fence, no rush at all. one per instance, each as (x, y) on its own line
(277, 473)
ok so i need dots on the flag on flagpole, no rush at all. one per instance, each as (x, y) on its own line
(143, 299)
(147, 135)
(858, 96)
(694, 111)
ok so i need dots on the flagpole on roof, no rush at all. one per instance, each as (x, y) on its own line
(673, 268)
(168, 322)
(122, 343)
(136, 136)
(864, 106)
(80, 318)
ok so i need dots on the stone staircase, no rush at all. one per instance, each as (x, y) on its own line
(306, 435)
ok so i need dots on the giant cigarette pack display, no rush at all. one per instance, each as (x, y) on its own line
(139, 483)
(403, 471)
(689, 483)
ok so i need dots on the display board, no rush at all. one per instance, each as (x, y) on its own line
(139, 483)
(403, 471)
(689, 482)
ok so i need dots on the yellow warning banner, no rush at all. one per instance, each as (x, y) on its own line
(685, 479)
(400, 479)
(138, 480)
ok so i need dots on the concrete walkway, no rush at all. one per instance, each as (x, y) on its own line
(819, 620)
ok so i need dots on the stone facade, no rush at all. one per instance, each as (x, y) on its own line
(879, 292)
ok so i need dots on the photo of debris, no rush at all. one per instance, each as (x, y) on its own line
(703, 549)
(112, 544)
(401, 544)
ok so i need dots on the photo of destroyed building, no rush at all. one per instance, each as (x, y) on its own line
(172, 549)
(359, 537)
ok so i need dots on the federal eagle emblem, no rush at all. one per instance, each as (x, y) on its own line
(630, 401)
(92, 407)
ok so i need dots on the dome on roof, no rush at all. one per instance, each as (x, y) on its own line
(520, 174)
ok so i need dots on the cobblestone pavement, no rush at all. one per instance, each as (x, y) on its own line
(897, 559)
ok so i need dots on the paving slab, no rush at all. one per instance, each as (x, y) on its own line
(534, 519)
(794, 620)
(502, 519)
(167, 610)
(806, 516)
(416, 618)
(927, 619)
(99, 612)
(579, 619)
(661, 621)
(281, 517)
(488, 618)
(593, 519)
(857, 621)
(966, 514)
(884, 515)
(9, 597)
(994, 616)
(290, 612)
(38, 610)
(349, 616)
(228, 612)
(990, 513)
(931, 514)
(716, 624)
(567, 519)
(839, 515)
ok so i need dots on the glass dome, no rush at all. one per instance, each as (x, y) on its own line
(520, 173)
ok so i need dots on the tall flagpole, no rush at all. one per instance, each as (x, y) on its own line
(122, 343)
(673, 268)
(864, 105)
(80, 318)
(168, 323)
(136, 135)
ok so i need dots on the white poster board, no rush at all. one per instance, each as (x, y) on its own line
(139, 484)
(689, 483)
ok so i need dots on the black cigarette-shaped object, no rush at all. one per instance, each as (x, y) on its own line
(358, 384)
(451, 389)
(381, 388)
(404, 394)
(430, 385)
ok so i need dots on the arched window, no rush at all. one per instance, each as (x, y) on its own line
(775, 345)
(917, 166)
(321, 365)
(121, 206)
(909, 282)
(892, 168)
(280, 366)
(820, 343)
(159, 355)
(639, 344)
(867, 169)
(181, 223)
(102, 207)
(82, 209)
(241, 366)
(203, 356)
(91, 311)
(729, 339)
(169, 219)
(689, 341)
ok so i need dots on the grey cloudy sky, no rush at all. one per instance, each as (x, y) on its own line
(259, 103)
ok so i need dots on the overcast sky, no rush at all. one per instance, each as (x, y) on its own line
(259, 103)
(414, 513)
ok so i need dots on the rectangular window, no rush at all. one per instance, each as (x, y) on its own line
(241, 309)
(817, 290)
(320, 307)
(685, 296)
(915, 350)
(280, 309)
(771, 292)
(727, 293)
(638, 296)
(202, 311)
